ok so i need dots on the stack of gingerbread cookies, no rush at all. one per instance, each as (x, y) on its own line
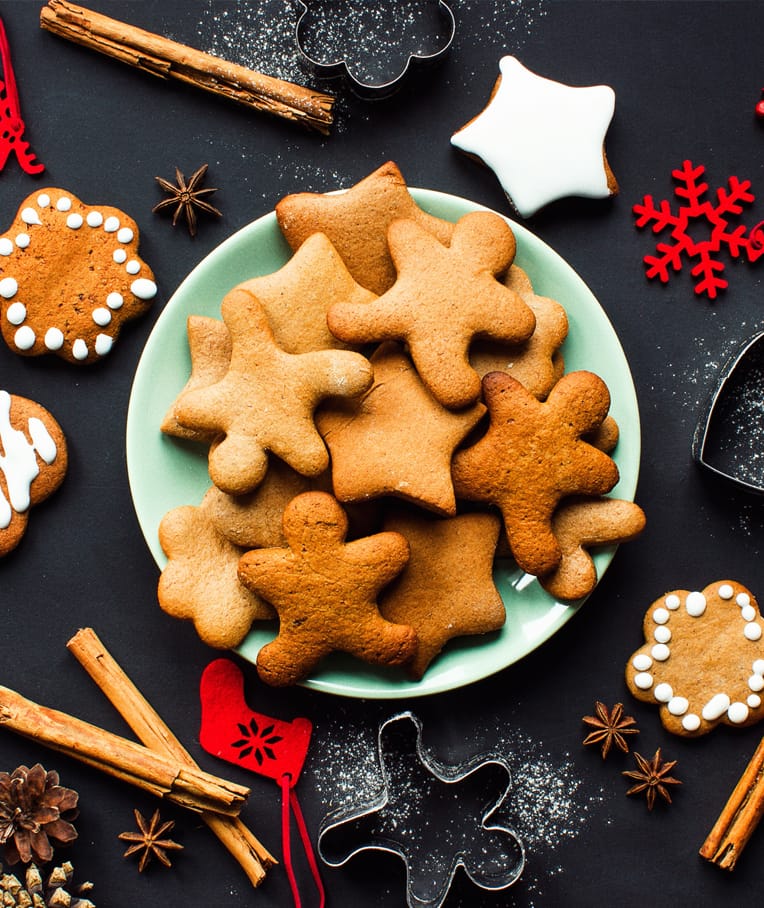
(385, 416)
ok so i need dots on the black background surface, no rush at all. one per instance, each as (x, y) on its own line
(686, 77)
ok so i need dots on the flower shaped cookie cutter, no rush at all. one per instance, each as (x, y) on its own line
(433, 816)
(378, 31)
(729, 437)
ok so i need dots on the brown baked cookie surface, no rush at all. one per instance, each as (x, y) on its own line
(70, 277)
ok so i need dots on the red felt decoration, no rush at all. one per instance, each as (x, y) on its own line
(11, 124)
(270, 747)
(699, 229)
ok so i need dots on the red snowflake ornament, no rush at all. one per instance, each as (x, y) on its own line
(699, 229)
(11, 125)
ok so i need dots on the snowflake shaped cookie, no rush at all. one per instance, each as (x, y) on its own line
(697, 211)
(703, 659)
(543, 139)
(70, 277)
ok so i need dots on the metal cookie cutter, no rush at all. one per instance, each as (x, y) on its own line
(435, 817)
(729, 438)
(363, 68)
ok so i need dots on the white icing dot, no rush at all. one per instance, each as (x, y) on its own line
(114, 300)
(672, 601)
(641, 662)
(643, 680)
(754, 701)
(16, 313)
(64, 203)
(124, 235)
(748, 613)
(695, 604)
(103, 344)
(119, 256)
(30, 216)
(756, 682)
(743, 599)
(737, 713)
(678, 706)
(8, 287)
(74, 220)
(54, 338)
(716, 707)
(660, 616)
(663, 692)
(80, 349)
(133, 267)
(660, 652)
(726, 591)
(143, 288)
(24, 338)
(101, 316)
(752, 631)
(43, 200)
(94, 219)
(22, 240)
(758, 666)
(6, 246)
(662, 634)
(111, 224)
(691, 722)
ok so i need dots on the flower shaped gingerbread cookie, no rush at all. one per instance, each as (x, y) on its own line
(70, 277)
(703, 659)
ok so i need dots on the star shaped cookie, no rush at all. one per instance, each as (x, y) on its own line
(446, 590)
(544, 140)
(265, 401)
(325, 592)
(370, 438)
(444, 296)
(532, 456)
(356, 221)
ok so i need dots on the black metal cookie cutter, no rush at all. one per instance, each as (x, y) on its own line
(434, 817)
(371, 86)
(729, 437)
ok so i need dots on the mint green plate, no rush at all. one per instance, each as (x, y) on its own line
(165, 473)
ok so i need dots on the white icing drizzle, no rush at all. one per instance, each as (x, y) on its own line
(695, 604)
(716, 707)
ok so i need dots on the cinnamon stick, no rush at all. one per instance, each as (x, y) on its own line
(739, 817)
(162, 776)
(169, 60)
(152, 731)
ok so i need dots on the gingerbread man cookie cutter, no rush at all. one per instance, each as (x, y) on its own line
(418, 815)
(373, 86)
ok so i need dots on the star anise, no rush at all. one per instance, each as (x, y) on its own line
(652, 778)
(610, 726)
(186, 197)
(34, 814)
(148, 841)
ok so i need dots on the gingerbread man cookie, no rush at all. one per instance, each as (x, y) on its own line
(444, 296)
(532, 456)
(70, 276)
(325, 591)
(33, 462)
(702, 661)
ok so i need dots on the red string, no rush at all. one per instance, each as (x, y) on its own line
(289, 800)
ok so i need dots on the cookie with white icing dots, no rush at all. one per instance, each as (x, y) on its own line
(703, 659)
(33, 461)
(70, 276)
(543, 139)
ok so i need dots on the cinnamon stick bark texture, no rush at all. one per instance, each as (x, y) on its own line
(90, 652)
(169, 60)
(162, 776)
(740, 816)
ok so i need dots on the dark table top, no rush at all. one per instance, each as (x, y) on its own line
(686, 78)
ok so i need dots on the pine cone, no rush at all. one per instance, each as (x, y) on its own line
(34, 893)
(34, 812)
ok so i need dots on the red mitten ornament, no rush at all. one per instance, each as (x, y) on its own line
(271, 747)
(11, 124)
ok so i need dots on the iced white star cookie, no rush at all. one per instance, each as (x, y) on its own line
(544, 140)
